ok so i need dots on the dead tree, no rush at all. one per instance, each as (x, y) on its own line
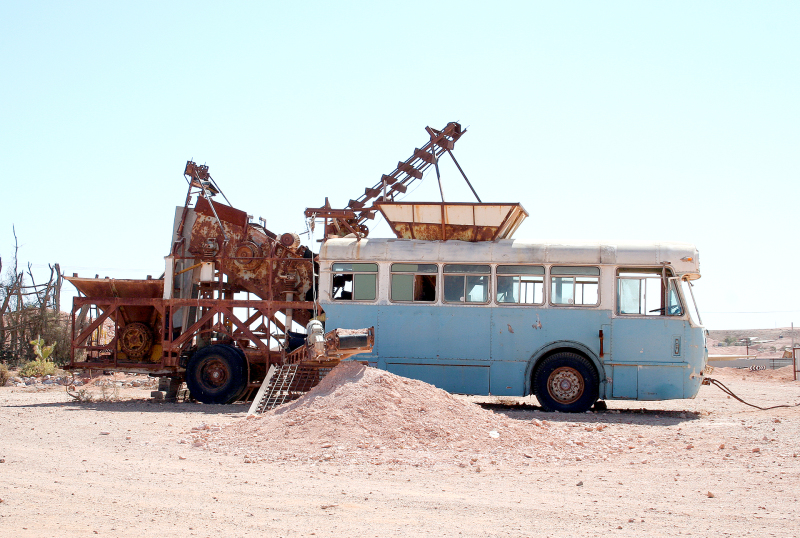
(30, 310)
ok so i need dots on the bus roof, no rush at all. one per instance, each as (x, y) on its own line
(683, 257)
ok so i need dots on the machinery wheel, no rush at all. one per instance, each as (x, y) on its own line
(248, 255)
(216, 374)
(136, 340)
(243, 392)
(566, 382)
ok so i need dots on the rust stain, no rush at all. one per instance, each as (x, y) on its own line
(452, 232)
(245, 259)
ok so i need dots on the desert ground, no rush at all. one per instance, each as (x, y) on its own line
(378, 456)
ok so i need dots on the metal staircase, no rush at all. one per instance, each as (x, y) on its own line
(286, 383)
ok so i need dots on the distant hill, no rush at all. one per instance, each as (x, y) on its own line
(768, 343)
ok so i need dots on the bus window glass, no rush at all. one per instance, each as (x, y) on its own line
(586, 288)
(520, 284)
(674, 307)
(640, 291)
(629, 296)
(413, 282)
(574, 286)
(465, 284)
(354, 281)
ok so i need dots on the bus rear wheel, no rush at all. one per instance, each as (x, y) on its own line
(566, 382)
(216, 374)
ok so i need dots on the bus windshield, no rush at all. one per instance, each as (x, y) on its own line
(691, 305)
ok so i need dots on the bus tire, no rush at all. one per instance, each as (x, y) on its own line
(216, 374)
(566, 382)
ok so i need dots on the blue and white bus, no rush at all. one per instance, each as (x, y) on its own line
(569, 323)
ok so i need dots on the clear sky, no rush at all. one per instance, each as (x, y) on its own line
(606, 120)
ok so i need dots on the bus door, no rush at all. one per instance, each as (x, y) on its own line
(648, 332)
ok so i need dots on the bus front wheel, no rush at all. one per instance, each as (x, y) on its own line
(566, 382)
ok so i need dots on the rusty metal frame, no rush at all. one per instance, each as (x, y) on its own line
(358, 211)
(173, 347)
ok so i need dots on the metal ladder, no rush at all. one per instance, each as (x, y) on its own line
(284, 384)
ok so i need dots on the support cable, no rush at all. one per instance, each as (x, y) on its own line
(464, 175)
(310, 230)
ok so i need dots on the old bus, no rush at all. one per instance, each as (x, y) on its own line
(568, 323)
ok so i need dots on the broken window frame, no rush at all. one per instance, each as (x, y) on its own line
(361, 276)
(420, 276)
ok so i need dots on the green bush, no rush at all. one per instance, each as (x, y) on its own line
(40, 366)
(4, 375)
(37, 368)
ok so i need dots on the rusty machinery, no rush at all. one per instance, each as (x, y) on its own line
(219, 316)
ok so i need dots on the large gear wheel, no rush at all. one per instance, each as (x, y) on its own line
(136, 340)
(248, 255)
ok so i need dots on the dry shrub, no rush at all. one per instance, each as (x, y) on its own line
(37, 368)
(109, 392)
(81, 395)
(4, 375)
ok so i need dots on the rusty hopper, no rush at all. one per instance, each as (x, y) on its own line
(136, 342)
(461, 221)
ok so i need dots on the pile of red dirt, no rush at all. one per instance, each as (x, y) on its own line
(356, 413)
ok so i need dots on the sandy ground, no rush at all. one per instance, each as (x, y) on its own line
(704, 467)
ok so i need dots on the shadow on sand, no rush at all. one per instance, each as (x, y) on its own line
(639, 415)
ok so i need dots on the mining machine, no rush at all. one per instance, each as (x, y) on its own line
(221, 316)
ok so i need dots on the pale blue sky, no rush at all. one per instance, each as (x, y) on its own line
(606, 120)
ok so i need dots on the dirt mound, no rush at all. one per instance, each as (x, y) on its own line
(356, 413)
(404, 412)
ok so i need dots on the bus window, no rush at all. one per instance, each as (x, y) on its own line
(640, 291)
(574, 286)
(674, 307)
(354, 281)
(464, 283)
(414, 282)
(520, 284)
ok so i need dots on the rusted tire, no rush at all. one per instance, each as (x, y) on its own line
(216, 374)
(566, 382)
